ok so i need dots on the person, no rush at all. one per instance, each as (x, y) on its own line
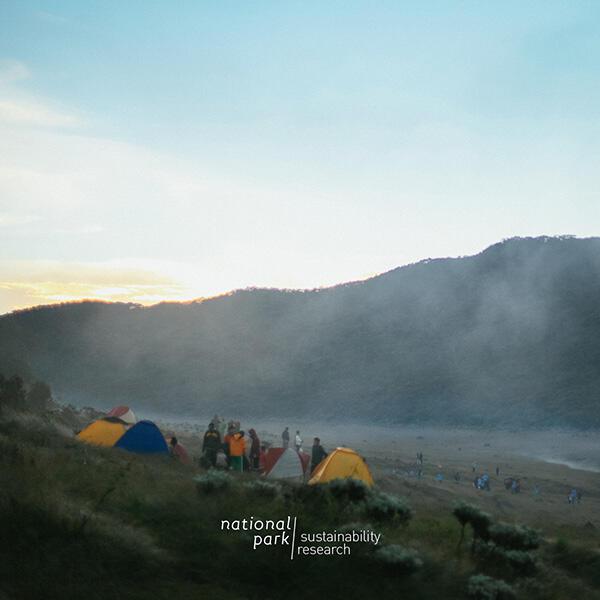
(537, 490)
(285, 437)
(440, 477)
(222, 428)
(237, 450)
(262, 457)
(457, 477)
(211, 444)
(497, 471)
(474, 465)
(254, 449)
(298, 441)
(318, 454)
(226, 445)
(176, 450)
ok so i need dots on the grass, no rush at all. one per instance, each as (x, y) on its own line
(80, 521)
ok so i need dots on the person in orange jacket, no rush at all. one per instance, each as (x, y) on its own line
(237, 450)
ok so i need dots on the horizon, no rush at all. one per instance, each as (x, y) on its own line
(50, 304)
(158, 153)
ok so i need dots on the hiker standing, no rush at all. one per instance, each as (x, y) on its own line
(226, 445)
(210, 444)
(298, 441)
(318, 454)
(474, 465)
(222, 428)
(262, 457)
(254, 449)
(285, 437)
(237, 449)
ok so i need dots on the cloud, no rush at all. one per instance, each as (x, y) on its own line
(28, 283)
(12, 71)
(49, 17)
(26, 112)
(16, 219)
(19, 108)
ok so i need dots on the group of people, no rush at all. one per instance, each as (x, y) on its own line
(231, 440)
(285, 439)
(234, 445)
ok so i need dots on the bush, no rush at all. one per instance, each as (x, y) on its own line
(479, 520)
(482, 587)
(310, 495)
(514, 537)
(397, 559)
(263, 489)
(521, 562)
(385, 507)
(348, 489)
(213, 481)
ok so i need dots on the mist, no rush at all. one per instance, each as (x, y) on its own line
(507, 338)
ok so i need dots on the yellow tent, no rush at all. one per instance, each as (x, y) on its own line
(341, 463)
(103, 432)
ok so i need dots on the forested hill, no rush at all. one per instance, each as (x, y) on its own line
(509, 337)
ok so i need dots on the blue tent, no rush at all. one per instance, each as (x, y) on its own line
(143, 437)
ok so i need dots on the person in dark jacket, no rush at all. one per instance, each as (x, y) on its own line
(285, 437)
(318, 454)
(254, 449)
(211, 444)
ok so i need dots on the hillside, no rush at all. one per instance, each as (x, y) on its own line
(509, 337)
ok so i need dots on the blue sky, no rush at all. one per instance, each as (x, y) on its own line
(157, 150)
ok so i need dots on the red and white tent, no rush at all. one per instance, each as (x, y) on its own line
(124, 413)
(286, 463)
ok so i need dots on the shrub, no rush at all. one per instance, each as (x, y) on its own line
(213, 481)
(514, 537)
(385, 507)
(482, 587)
(521, 562)
(348, 489)
(263, 489)
(479, 520)
(397, 559)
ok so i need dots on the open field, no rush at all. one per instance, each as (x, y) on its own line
(556, 461)
(84, 521)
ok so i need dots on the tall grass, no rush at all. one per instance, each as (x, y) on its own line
(79, 521)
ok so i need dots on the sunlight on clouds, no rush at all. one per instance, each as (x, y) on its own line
(29, 283)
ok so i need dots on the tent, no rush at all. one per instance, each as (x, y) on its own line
(124, 413)
(341, 463)
(143, 437)
(105, 432)
(286, 463)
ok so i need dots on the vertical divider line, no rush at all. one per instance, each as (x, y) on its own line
(293, 540)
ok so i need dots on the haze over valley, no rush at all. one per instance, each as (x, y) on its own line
(507, 338)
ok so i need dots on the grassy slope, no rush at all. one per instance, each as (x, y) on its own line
(85, 522)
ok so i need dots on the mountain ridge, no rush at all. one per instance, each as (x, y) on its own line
(506, 337)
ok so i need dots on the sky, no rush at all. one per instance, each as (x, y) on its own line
(157, 151)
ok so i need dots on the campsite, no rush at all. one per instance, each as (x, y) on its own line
(125, 518)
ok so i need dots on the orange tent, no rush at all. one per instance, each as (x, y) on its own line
(341, 463)
(105, 432)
